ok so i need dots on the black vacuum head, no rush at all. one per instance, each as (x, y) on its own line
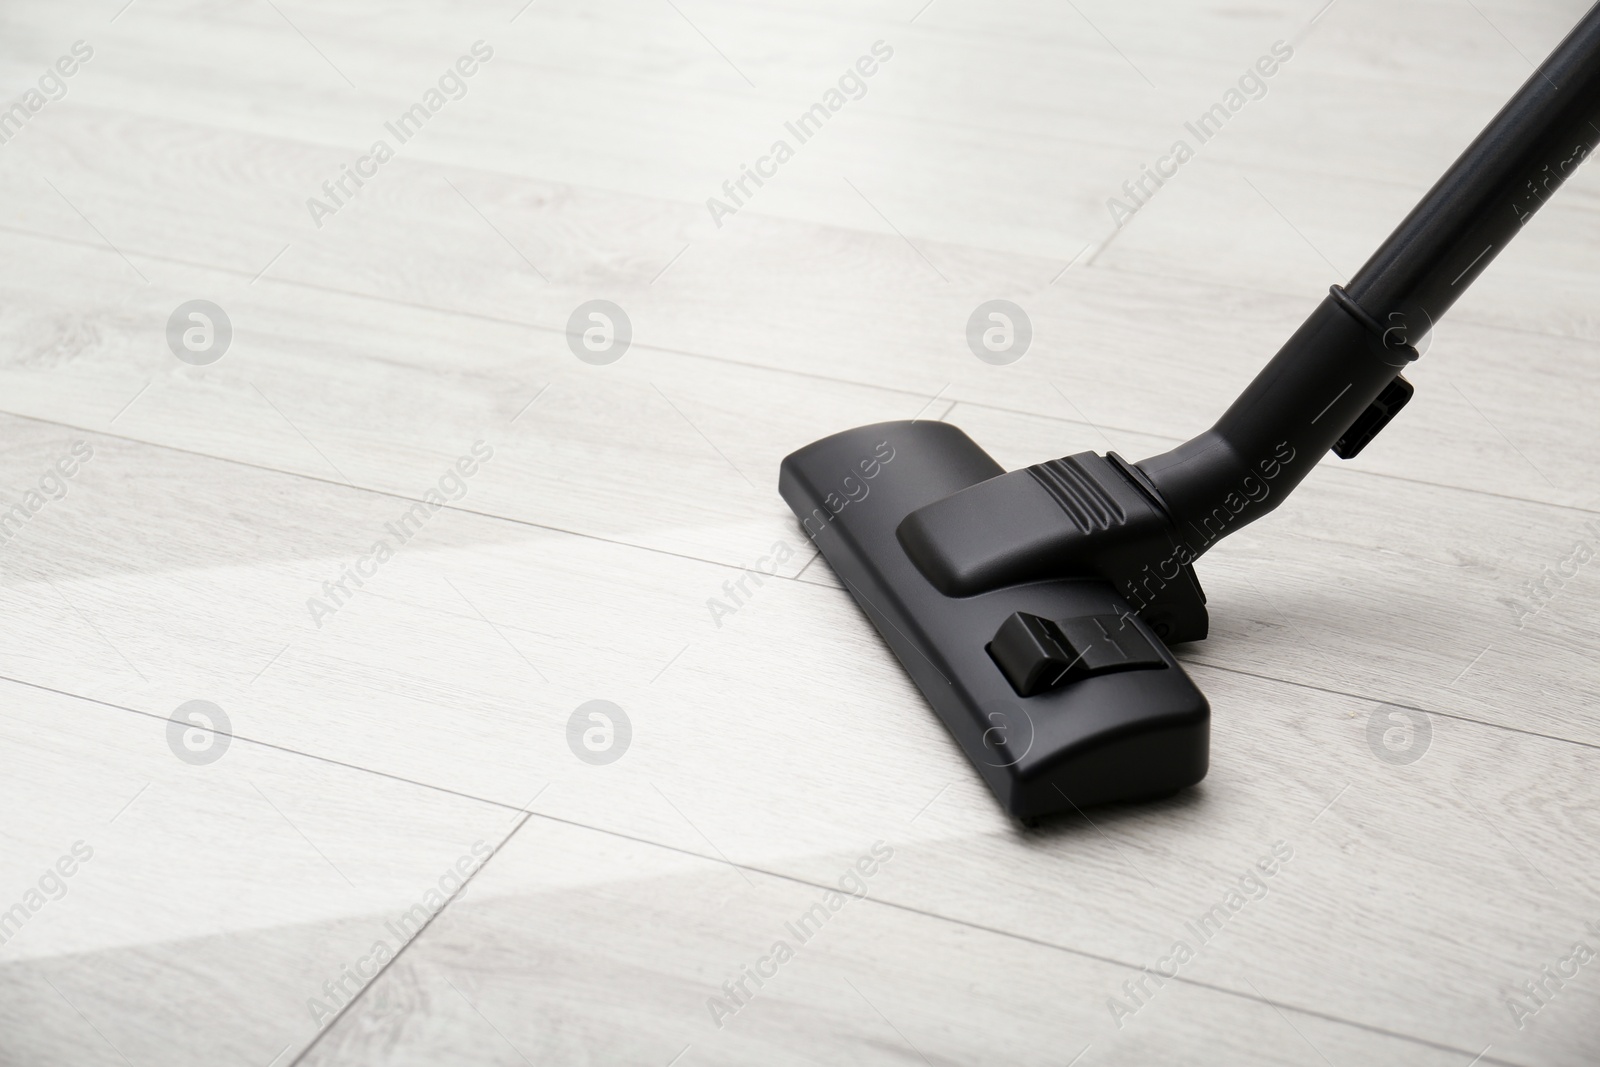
(1060, 693)
(1034, 608)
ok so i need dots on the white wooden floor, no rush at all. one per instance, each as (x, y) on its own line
(1419, 746)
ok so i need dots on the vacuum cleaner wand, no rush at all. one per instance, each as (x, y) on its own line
(1519, 160)
(1034, 609)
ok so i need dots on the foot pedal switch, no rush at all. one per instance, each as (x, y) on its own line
(1037, 654)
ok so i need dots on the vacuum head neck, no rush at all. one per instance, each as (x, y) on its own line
(1034, 608)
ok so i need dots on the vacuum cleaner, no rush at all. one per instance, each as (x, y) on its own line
(1036, 610)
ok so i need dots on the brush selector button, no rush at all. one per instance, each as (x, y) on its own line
(1038, 654)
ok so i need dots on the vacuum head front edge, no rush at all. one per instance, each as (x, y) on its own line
(1059, 693)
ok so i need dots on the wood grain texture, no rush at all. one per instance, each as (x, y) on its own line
(213, 899)
(529, 971)
(1381, 614)
(835, 305)
(521, 625)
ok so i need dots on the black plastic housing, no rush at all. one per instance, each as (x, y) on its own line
(1123, 735)
(1084, 516)
(1324, 379)
(1033, 608)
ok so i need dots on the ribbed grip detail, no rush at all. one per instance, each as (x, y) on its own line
(1088, 505)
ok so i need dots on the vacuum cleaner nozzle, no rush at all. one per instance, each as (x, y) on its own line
(1034, 608)
(1061, 694)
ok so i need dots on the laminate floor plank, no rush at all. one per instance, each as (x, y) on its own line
(406, 536)
(638, 85)
(527, 970)
(185, 909)
(461, 663)
(1103, 356)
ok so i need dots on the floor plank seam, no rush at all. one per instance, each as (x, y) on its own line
(1440, 857)
(1456, 716)
(330, 1025)
(1463, 316)
(792, 879)
(957, 402)
(795, 579)
(1253, 289)
(372, 490)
